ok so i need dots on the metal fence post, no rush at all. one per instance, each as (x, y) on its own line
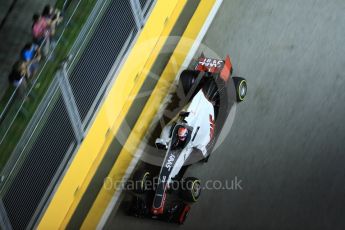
(71, 104)
(4, 221)
(137, 13)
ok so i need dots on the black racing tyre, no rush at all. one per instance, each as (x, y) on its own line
(191, 189)
(241, 88)
(187, 79)
(140, 180)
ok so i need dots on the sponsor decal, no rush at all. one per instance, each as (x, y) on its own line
(209, 62)
(170, 162)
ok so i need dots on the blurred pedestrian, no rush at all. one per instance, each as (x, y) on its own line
(52, 16)
(40, 29)
(41, 33)
(31, 55)
(18, 77)
(35, 19)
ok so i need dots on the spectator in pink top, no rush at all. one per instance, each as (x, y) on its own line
(52, 16)
(40, 29)
(41, 33)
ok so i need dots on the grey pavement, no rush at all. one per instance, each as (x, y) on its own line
(5, 8)
(15, 32)
(287, 142)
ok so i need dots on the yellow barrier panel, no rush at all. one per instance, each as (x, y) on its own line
(149, 112)
(111, 114)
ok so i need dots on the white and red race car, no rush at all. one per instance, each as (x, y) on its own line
(208, 91)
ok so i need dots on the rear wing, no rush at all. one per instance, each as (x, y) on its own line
(216, 66)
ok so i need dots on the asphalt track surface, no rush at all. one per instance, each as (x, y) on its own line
(287, 143)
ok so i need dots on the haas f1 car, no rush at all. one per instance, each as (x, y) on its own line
(209, 91)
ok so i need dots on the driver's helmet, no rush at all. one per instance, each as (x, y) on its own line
(182, 133)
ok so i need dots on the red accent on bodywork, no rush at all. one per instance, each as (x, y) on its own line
(212, 126)
(183, 213)
(160, 210)
(157, 211)
(226, 71)
(200, 67)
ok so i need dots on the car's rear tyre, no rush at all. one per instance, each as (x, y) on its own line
(187, 79)
(191, 189)
(140, 181)
(241, 88)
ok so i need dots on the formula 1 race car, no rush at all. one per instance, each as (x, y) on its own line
(208, 91)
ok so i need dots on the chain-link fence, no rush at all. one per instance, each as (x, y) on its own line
(59, 124)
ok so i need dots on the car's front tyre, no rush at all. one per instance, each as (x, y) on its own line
(139, 182)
